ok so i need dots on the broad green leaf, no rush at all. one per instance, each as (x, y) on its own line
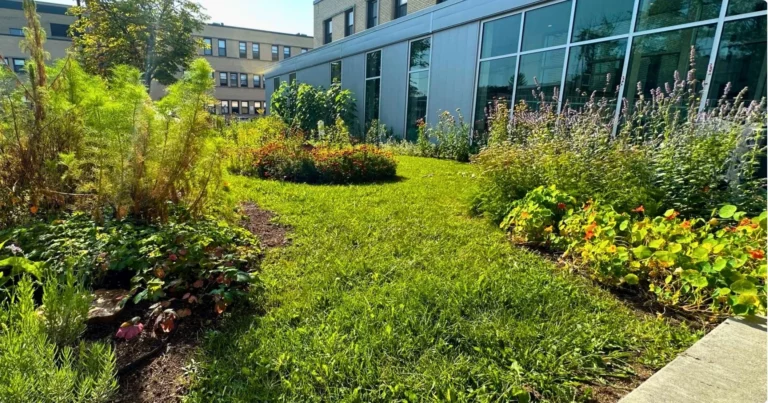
(720, 264)
(695, 278)
(744, 287)
(700, 253)
(631, 279)
(642, 252)
(749, 300)
(674, 247)
(656, 244)
(624, 224)
(727, 211)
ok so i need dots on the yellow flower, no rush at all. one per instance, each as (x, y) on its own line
(548, 229)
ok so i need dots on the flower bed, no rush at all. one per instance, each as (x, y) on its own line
(294, 162)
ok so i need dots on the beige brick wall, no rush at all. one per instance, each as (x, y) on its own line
(9, 45)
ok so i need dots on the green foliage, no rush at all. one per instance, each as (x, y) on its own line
(153, 36)
(449, 139)
(693, 263)
(34, 369)
(152, 260)
(65, 308)
(389, 292)
(244, 137)
(294, 161)
(302, 106)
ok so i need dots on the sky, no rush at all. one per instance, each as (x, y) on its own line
(290, 16)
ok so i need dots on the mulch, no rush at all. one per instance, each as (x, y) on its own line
(153, 368)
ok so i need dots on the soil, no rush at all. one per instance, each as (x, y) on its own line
(152, 368)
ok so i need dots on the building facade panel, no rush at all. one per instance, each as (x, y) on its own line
(454, 53)
(318, 76)
(353, 79)
(394, 74)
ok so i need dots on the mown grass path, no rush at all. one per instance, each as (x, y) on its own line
(393, 292)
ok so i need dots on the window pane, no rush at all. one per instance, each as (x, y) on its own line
(373, 64)
(501, 37)
(241, 48)
(540, 72)
(600, 18)
(418, 89)
(655, 58)
(547, 26)
(276, 83)
(372, 96)
(223, 79)
(594, 69)
(665, 13)
(335, 72)
(745, 6)
(243, 80)
(420, 51)
(741, 60)
(291, 78)
(494, 83)
(233, 79)
(208, 46)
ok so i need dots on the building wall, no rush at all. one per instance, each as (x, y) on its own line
(335, 9)
(14, 18)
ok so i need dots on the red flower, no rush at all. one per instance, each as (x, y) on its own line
(686, 224)
(172, 257)
(672, 216)
(561, 206)
(640, 209)
(757, 254)
(589, 235)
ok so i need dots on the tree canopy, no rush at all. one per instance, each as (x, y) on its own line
(155, 36)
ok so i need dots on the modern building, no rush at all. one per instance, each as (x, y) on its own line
(239, 56)
(467, 53)
(336, 19)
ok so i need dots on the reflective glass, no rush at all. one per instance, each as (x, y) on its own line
(741, 60)
(547, 26)
(599, 19)
(418, 89)
(501, 37)
(664, 13)
(494, 84)
(594, 68)
(539, 73)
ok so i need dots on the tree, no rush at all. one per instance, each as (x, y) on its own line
(155, 36)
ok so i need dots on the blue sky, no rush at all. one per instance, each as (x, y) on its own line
(291, 16)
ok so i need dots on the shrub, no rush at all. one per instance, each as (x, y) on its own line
(65, 308)
(154, 260)
(695, 263)
(296, 162)
(664, 156)
(301, 106)
(244, 137)
(34, 369)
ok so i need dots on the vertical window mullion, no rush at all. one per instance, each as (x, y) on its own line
(560, 99)
(713, 57)
(625, 69)
(517, 66)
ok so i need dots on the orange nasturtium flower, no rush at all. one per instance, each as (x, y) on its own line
(640, 209)
(524, 215)
(757, 254)
(589, 235)
(672, 216)
(686, 224)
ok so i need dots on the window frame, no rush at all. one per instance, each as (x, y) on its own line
(244, 81)
(233, 105)
(371, 18)
(257, 81)
(226, 79)
(275, 52)
(275, 83)
(286, 52)
(62, 25)
(242, 49)
(408, 73)
(234, 79)
(218, 43)
(222, 106)
(292, 78)
(255, 50)
(208, 51)
(349, 29)
(365, 85)
(21, 69)
(401, 9)
(328, 31)
(247, 108)
(341, 69)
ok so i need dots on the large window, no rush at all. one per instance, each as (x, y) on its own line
(255, 53)
(745, 6)
(741, 60)
(349, 22)
(656, 57)
(275, 53)
(547, 26)
(244, 107)
(336, 72)
(225, 107)
(372, 86)
(495, 83)
(286, 52)
(223, 79)
(599, 19)
(327, 31)
(594, 69)
(256, 81)
(538, 77)
(222, 47)
(501, 37)
(664, 13)
(418, 85)
(18, 65)
(233, 79)
(243, 79)
(59, 30)
(401, 8)
(243, 50)
(235, 107)
(207, 46)
(372, 13)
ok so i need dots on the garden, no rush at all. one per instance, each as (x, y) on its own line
(152, 251)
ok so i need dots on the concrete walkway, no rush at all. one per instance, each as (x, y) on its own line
(727, 365)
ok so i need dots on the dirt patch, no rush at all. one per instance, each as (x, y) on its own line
(619, 387)
(153, 368)
(259, 222)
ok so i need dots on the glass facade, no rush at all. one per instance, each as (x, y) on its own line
(617, 48)
(418, 85)
(372, 86)
(336, 72)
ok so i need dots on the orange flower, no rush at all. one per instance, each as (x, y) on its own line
(744, 222)
(640, 209)
(686, 224)
(757, 254)
(672, 216)
(612, 249)
(524, 215)
(589, 235)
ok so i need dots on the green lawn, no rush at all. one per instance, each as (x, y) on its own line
(393, 292)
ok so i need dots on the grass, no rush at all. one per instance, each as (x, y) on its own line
(393, 292)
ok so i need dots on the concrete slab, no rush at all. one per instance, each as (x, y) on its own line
(727, 365)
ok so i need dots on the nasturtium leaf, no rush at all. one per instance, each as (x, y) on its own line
(727, 211)
(700, 253)
(631, 279)
(656, 244)
(749, 300)
(669, 212)
(674, 247)
(723, 291)
(719, 264)
(624, 224)
(642, 252)
(695, 278)
(744, 287)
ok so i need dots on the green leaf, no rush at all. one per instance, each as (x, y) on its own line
(674, 247)
(656, 244)
(624, 224)
(744, 287)
(719, 264)
(727, 211)
(631, 279)
(642, 252)
(700, 253)
(20, 264)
